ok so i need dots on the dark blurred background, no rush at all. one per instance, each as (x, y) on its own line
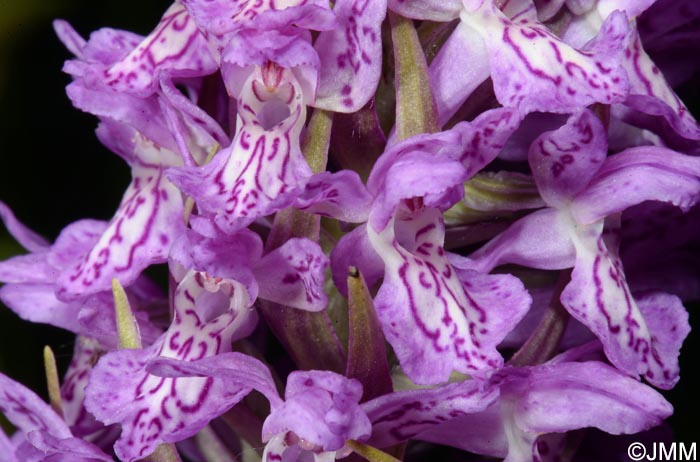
(53, 170)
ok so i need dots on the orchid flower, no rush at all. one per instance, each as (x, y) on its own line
(43, 435)
(433, 309)
(33, 282)
(531, 68)
(582, 188)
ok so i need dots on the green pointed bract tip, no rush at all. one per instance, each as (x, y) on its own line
(52, 382)
(416, 111)
(366, 349)
(128, 329)
(494, 195)
(370, 453)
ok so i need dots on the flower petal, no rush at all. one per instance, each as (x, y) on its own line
(651, 94)
(400, 416)
(599, 297)
(293, 275)
(435, 323)
(175, 48)
(564, 161)
(636, 175)
(209, 314)
(432, 10)
(340, 195)
(533, 70)
(539, 240)
(148, 221)
(25, 236)
(570, 396)
(351, 56)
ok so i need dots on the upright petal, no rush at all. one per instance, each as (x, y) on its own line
(175, 48)
(351, 56)
(564, 161)
(25, 236)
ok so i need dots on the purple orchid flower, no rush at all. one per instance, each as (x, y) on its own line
(33, 281)
(209, 314)
(649, 92)
(582, 188)
(42, 435)
(531, 68)
(438, 314)
(319, 414)
(136, 119)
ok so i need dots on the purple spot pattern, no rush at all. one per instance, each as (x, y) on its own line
(427, 314)
(175, 47)
(151, 410)
(647, 81)
(148, 221)
(293, 275)
(351, 55)
(564, 161)
(263, 169)
(87, 352)
(534, 70)
(599, 297)
(399, 416)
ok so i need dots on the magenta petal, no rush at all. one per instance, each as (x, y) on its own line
(434, 321)
(340, 195)
(651, 94)
(38, 303)
(564, 161)
(263, 170)
(569, 396)
(460, 66)
(534, 70)
(406, 179)
(25, 236)
(636, 175)
(148, 221)
(46, 436)
(293, 275)
(355, 250)
(175, 48)
(86, 353)
(484, 138)
(433, 10)
(540, 240)
(400, 416)
(351, 56)
(599, 297)
(241, 371)
(209, 314)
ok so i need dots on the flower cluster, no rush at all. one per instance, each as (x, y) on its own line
(463, 222)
